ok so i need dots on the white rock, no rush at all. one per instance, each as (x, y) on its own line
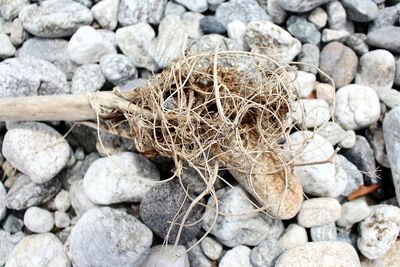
(357, 107)
(36, 150)
(237, 31)
(135, 11)
(211, 248)
(196, 255)
(37, 251)
(319, 211)
(325, 91)
(353, 212)
(38, 220)
(275, 10)
(329, 35)
(349, 141)
(62, 201)
(3, 208)
(6, 47)
(332, 132)
(105, 12)
(194, 5)
(87, 78)
(266, 253)
(294, 235)
(303, 83)
(326, 232)
(391, 97)
(79, 200)
(118, 69)
(191, 22)
(119, 178)
(319, 17)
(61, 219)
(310, 112)
(18, 34)
(88, 46)
(390, 258)
(236, 257)
(173, 8)
(7, 244)
(167, 255)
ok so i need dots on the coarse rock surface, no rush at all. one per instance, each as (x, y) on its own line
(304, 31)
(387, 37)
(390, 258)
(7, 244)
(169, 255)
(79, 200)
(266, 253)
(106, 13)
(326, 232)
(311, 112)
(211, 248)
(3, 208)
(38, 220)
(301, 5)
(118, 69)
(294, 235)
(238, 256)
(6, 47)
(319, 211)
(9, 9)
(131, 12)
(353, 212)
(87, 78)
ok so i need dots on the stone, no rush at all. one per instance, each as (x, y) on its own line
(88, 46)
(105, 13)
(80, 202)
(349, 141)
(332, 132)
(194, 5)
(354, 176)
(24, 193)
(238, 256)
(108, 237)
(309, 57)
(387, 37)
(10, 9)
(18, 34)
(374, 134)
(168, 255)
(51, 50)
(30, 77)
(239, 225)
(357, 107)
(329, 35)
(36, 150)
(134, 11)
(210, 41)
(319, 211)
(357, 42)
(353, 212)
(7, 244)
(241, 10)
(360, 10)
(196, 255)
(87, 78)
(390, 258)
(336, 15)
(118, 69)
(379, 231)
(210, 24)
(191, 23)
(262, 36)
(54, 18)
(38, 220)
(304, 31)
(339, 62)
(266, 253)
(310, 113)
(62, 201)
(294, 235)
(108, 35)
(12, 224)
(390, 97)
(3, 208)
(300, 6)
(39, 250)
(211, 248)
(7, 49)
(397, 73)
(277, 13)
(326, 232)
(386, 17)
(61, 219)
(159, 207)
(325, 91)
(319, 17)
(322, 254)
(173, 8)
(237, 32)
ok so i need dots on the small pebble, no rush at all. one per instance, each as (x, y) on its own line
(310, 113)
(294, 235)
(61, 219)
(353, 212)
(210, 24)
(236, 257)
(211, 248)
(118, 69)
(266, 253)
(319, 17)
(325, 232)
(309, 56)
(12, 224)
(7, 49)
(105, 13)
(162, 256)
(319, 211)
(38, 220)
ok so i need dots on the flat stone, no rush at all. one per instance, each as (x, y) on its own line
(353, 212)
(294, 235)
(236, 257)
(326, 232)
(329, 35)
(318, 16)
(301, 6)
(7, 49)
(211, 248)
(310, 113)
(304, 31)
(118, 69)
(131, 12)
(167, 255)
(38, 220)
(87, 78)
(309, 56)
(360, 10)
(106, 13)
(387, 37)
(266, 253)
(319, 211)
(80, 202)
(194, 5)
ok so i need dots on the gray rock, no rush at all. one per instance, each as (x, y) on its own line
(236, 257)
(51, 50)
(386, 17)
(7, 49)
(387, 37)
(61, 219)
(62, 201)
(349, 141)
(194, 5)
(310, 113)
(325, 91)
(390, 97)
(277, 13)
(18, 34)
(79, 200)
(191, 24)
(196, 255)
(210, 24)
(240, 224)
(353, 212)
(38, 220)
(106, 13)
(39, 250)
(173, 8)
(168, 255)
(339, 62)
(354, 176)
(319, 211)
(118, 69)
(397, 74)
(304, 31)
(24, 193)
(87, 78)
(210, 41)
(336, 15)
(53, 18)
(131, 12)
(375, 138)
(7, 244)
(266, 253)
(12, 224)
(301, 6)
(309, 55)
(318, 16)
(326, 232)
(36, 150)
(109, 36)
(211, 248)
(357, 42)
(329, 35)
(108, 237)
(332, 132)
(10, 9)
(3, 208)
(303, 83)
(360, 10)
(30, 77)
(294, 235)
(159, 207)
(379, 231)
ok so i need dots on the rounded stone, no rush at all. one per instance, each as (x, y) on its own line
(236, 257)
(61, 219)
(38, 220)
(87, 78)
(353, 212)
(210, 24)
(211, 248)
(118, 69)
(301, 5)
(294, 235)
(319, 211)
(167, 255)
(326, 232)
(3, 208)
(266, 253)
(311, 113)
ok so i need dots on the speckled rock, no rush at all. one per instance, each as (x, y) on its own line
(7, 49)
(131, 12)
(390, 258)
(358, 43)
(79, 200)
(106, 13)
(118, 69)
(301, 5)
(17, 34)
(7, 244)
(210, 41)
(386, 16)
(353, 212)
(332, 132)
(9, 9)
(387, 37)
(196, 255)
(12, 224)
(168, 255)
(87, 78)
(326, 232)
(309, 55)
(38, 220)
(294, 235)
(266, 253)
(211, 248)
(319, 211)
(360, 10)
(304, 31)
(236, 257)
(3, 208)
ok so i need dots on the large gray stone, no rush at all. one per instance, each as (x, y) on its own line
(304, 31)
(387, 37)
(301, 5)
(87, 78)
(360, 10)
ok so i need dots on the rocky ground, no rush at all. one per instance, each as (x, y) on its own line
(67, 204)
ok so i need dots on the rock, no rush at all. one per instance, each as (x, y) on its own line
(319, 17)
(210, 24)
(310, 113)
(196, 255)
(61, 219)
(397, 73)
(62, 201)
(51, 50)
(79, 200)
(349, 141)
(173, 8)
(54, 18)
(87, 78)
(377, 142)
(88, 46)
(354, 176)
(119, 178)
(301, 6)
(390, 258)
(336, 15)
(236, 257)
(131, 12)
(159, 207)
(353, 212)
(106, 13)
(191, 23)
(18, 34)
(211, 248)
(36, 150)
(242, 10)
(387, 37)
(12, 224)
(322, 254)
(325, 91)
(39, 250)
(118, 69)
(168, 255)
(3, 208)
(277, 13)
(108, 237)
(210, 41)
(386, 17)
(108, 35)
(304, 31)
(7, 244)
(332, 132)
(266, 253)
(390, 97)
(379, 231)
(6, 47)
(10, 9)
(326, 232)
(24, 193)
(360, 10)
(339, 62)
(294, 235)
(194, 5)
(38, 220)
(329, 35)
(30, 77)
(309, 55)
(319, 211)
(357, 107)
(358, 43)
(262, 34)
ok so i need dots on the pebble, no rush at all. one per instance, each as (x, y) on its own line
(79, 200)
(159, 207)
(88, 46)
(339, 62)
(10, 9)
(325, 91)
(62, 201)
(300, 6)
(387, 37)
(173, 8)
(277, 13)
(336, 15)
(108, 237)
(167, 255)
(210, 24)
(39, 250)
(118, 69)
(191, 23)
(329, 35)
(390, 258)
(321, 254)
(29, 77)
(390, 97)
(51, 50)
(7, 244)
(105, 13)
(379, 231)
(87, 78)
(319, 17)
(108, 35)
(309, 57)
(196, 255)
(332, 132)
(319, 211)
(211, 248)
(7, 49)
(325, 232)
(354, 176)
(38, 220)
(18, 34)
(61, 219)
(304, 31)
(36, 150)
(349, 141)
(294, 235)
(310, 113)
(236, 257)
(131, 12)
(3, 208)
(386, 16)
(360, 10)
(210, 41)
(194, 5)
(53, 18)
(353, 212)
(262, 36)
(374, 134)
(24, 193)
(358, 43)
(266, 253)
(237, 31)
(241, 225)
(357, 107)
(12, 224)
